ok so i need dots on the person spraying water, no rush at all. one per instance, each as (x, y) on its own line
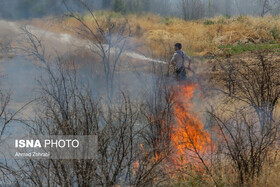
(178, 61)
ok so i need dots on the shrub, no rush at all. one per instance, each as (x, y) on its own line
(242, 19)
(119, 6)
(227, 16)
(275, 33)
(221, 21)
(167, 21)
(208, 22)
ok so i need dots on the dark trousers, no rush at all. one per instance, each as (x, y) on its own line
(181, 74)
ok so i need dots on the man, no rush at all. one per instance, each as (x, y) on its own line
(178, 61)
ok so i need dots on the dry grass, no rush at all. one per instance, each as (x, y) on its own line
(200, 37)
(155, 35)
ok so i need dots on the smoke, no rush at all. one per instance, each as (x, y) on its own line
(20, 73)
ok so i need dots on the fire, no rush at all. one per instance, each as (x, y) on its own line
(189, 138)
(191, 144)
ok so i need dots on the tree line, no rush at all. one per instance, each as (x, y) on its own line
(186, 9)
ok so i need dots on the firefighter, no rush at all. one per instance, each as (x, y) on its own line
(178, 61)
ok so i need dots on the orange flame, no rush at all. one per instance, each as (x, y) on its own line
(191, 142)
(189, 138)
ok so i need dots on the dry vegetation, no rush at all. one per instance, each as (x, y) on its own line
(240, 147)
(244, 122)
(199, 38)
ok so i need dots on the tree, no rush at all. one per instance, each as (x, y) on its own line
(210, 9)
(123, 157)
(245, 117)
(107, 41)
(241, 140)
(68, 107)
(268, 5)
(191, 9)
(254, 83)
(119, 6)
(106, 3)
(146, 5)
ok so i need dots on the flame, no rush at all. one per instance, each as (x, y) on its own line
(190, 140)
